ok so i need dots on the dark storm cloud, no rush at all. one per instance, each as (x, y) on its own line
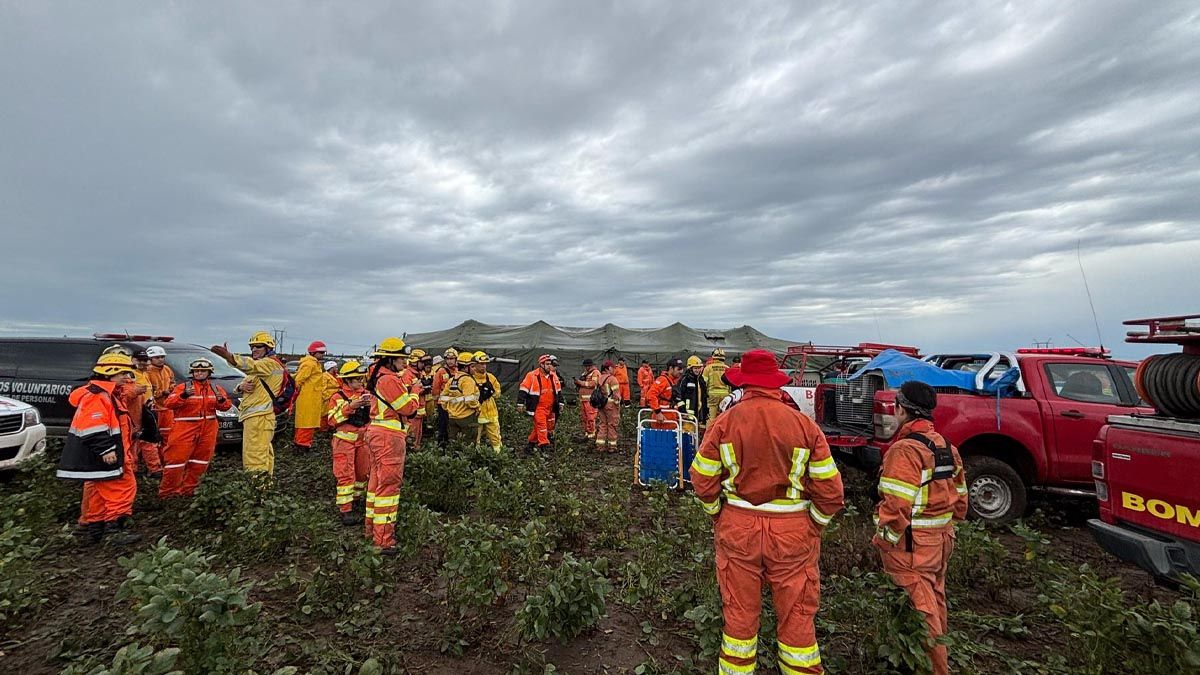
(829, 171)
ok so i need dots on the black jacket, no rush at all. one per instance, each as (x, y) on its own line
(691, 394)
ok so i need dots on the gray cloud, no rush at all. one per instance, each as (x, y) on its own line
(832, 172)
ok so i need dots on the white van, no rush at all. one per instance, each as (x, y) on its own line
(22, 434)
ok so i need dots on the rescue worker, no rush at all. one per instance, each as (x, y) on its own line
(538, 398)
(430, 399)
(162, 380)
(394, 403)
(661, 396)
(645, 380)
(560, 404)
(190, 448)
(489, 393)
(717, 389)
(310, 386)
(585, 384)
(448, 371)
(99, 451)
(329, 385)
(141, 414)
(691, 393)
(348, 412)
(265, 381)
(765, 474)
(621, 372)
(460, 398)
(416, 427)
(608, 417)
(923, 491)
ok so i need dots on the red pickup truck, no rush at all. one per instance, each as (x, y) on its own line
(1147, 467)
(1038, 439)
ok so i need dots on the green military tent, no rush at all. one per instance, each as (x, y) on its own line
(523, 344)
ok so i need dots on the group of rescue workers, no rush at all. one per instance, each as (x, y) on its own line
(763, 469)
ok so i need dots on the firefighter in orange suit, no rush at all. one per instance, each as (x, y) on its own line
(395, 402)
(99, 451)
(310, 386)
(349, 412)
(538, 398)
(621, 372)
(645, 380)
(765, 474)
(923, 491)
(194, 439)
(149, 450)
(608, 418)
(660, 397)
(162, 381)
(585, 384)
(416, 373)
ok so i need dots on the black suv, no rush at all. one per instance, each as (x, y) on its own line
(44, 371)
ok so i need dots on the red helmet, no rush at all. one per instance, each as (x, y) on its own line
(317, 346)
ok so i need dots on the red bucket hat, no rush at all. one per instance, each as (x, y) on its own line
(759, 369)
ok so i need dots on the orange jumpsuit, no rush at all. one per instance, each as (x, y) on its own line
(660, 397)
(645, 379)
(162, 378)
(194, 438)
(590, 380)
(622, 374)
(105, 500)
(385, 438)
(539, 394)
(915, 525)
(610, 415)
(764, 470)
(351, 458)
(417, 429)
(150, 453)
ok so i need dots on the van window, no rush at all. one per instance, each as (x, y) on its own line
(63, 361)
(1086, 382)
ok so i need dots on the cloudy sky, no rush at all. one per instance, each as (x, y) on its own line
(929, 174)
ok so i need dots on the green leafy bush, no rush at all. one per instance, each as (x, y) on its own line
(348, 577)
(21, 580)
(979, 560)
(255, 518)
(473, 568)
(442, 482)
(180, 601)
(891, 634)
(134, 659)
(570, 603)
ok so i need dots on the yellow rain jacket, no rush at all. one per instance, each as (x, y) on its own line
(267, 370)
(460, 396)
(488, 412)
(310, 396)
(330, 387)
(717, 389)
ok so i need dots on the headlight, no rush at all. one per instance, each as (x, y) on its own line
(32, 417)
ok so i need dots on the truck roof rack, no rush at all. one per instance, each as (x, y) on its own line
(1176, 330)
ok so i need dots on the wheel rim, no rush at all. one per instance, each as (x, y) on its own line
(990, 497)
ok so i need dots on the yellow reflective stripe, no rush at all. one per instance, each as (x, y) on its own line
(773, 506)
(888, 534)
(727, 668)
(934, 521)
(898, 488)
(386, 501)
(729, 459)
(705, 466)
(799, 657)
(820, 518)
(395, 425)
(822, 469)
(743, 649)
(922, 497)
(711, 508)
(962, 489)
(346, 435)
(404, 400)
(796, 475)
(345, 489)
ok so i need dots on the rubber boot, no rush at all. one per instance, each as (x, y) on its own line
(124, 532)
(93, 533)
(350, 518)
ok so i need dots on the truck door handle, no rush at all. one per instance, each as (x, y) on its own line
(1074, 414)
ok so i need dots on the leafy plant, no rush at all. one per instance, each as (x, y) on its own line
(570, 603)
(134, 659)
(21, 579)
(348, 578)
(473, 568)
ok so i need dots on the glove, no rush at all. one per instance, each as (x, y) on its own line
(188, 390)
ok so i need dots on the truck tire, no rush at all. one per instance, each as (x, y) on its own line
(996, 493)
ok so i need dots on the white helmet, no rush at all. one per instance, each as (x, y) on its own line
(331, 364)
(155, 351)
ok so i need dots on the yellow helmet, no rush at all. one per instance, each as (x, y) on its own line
(351, 370)
(262, 337)
(465, 357)
(113, 363)
(719, 354)
(450, 353)
(391, 346)
(694, 361)
(416, 355)
(480, 357)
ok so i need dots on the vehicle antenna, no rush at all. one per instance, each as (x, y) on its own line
(1079, 258)
(1076, 340)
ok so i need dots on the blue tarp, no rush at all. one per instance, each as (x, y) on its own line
(898, 368)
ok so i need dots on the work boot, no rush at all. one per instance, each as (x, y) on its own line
(389, 551)
(350, 518)
(124, 532)
(301, 449)
(93, 533)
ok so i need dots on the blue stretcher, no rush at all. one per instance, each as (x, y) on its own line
(664, 449)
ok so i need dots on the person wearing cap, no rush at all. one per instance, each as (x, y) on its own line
(621, 372)
(266, 378)
(645, 380)
(923, 492)
(717, 388)
(460, 398)
(538, 397)
(765, 474)
(141, 414)
(395, 402)
(349, 412)
(441, 376)
(609, 416)
(310, 387)
(329, 384)
(561, 402)
(585, 384)
(691, 393)
(99, 451)
(489, 392)
(162, 381)
(191, 446)
(661, 396)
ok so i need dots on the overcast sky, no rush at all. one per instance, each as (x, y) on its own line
(830, 171)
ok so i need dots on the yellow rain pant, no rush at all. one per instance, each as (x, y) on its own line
(257, 452)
